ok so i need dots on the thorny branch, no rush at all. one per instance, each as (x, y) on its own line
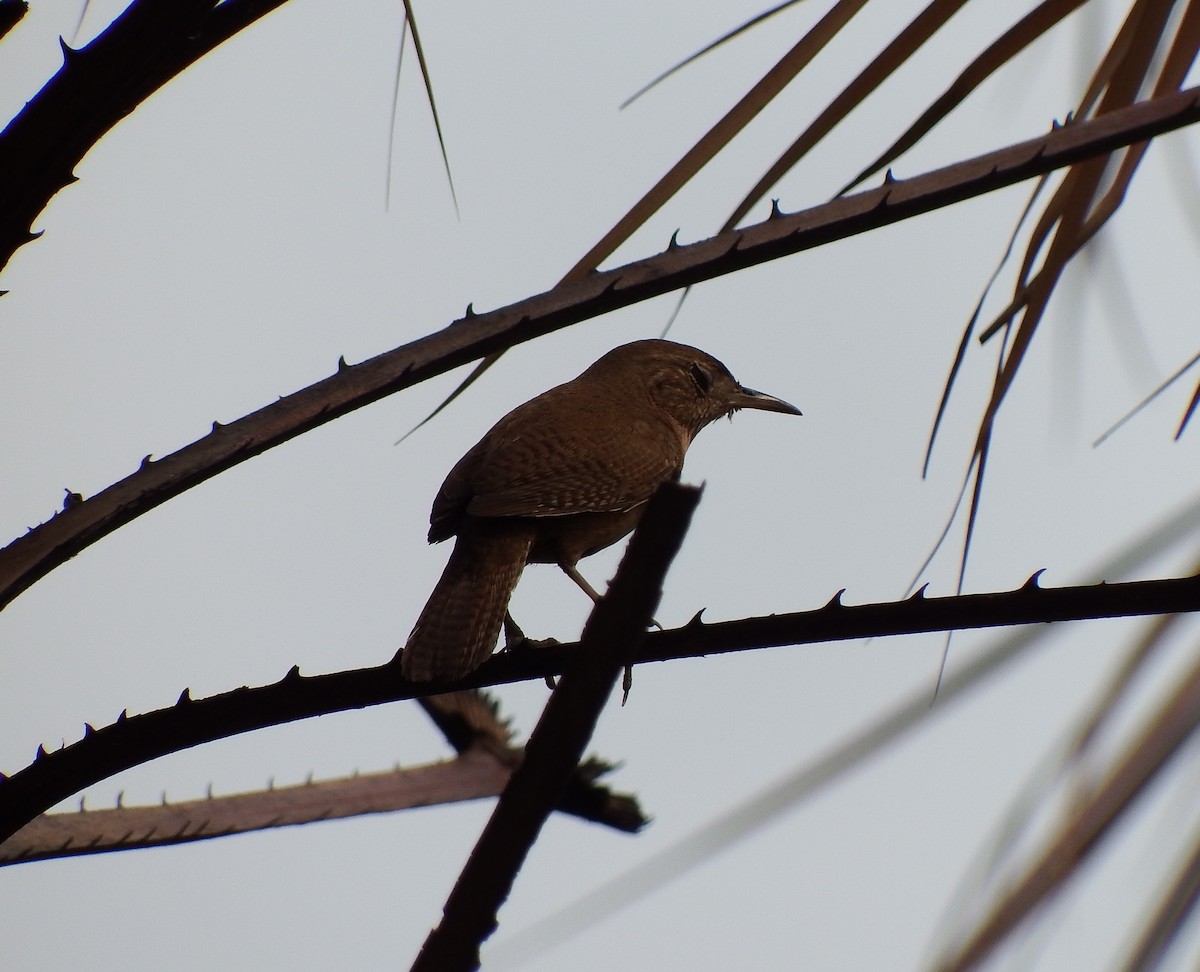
(83, 521)
(475, 773)
(96, 87)
(132, 740)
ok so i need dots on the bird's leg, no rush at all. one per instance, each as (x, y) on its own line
(514, 637)
(571, 571)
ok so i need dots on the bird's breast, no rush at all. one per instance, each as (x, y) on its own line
(567, 539)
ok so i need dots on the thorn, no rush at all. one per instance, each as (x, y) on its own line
(673, 243)
(293, 673)
(919, 593)
(888, 178)
(470, 311)
(342, 366)
(626, 684)
(308, 780)
(41, 751)
(88, 730)
(164, 798)
(71, 500)
(216, 427)
(68, 52)
(1032, 583)
(208, 791)
(184, 697)
(123, 716)
(776, 212)
(271, 783)
(1055, 124)
(696, 621)
(82, 800)
(836, 600)
(120, 799)
(146, 460)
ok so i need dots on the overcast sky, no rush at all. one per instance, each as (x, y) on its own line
(229, 241)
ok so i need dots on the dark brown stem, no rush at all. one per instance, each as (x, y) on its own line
(610, 641)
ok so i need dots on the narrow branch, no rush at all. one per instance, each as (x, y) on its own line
(610, 641)
(11, 12)
(474, 774)
(97, 86)
(471, 720)
(133, 740)
(82, 522)
(470, 776)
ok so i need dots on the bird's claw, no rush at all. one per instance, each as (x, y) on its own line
(516, 640)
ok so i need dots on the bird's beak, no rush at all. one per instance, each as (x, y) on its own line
(749, 398)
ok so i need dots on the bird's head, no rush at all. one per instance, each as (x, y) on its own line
(693, 387)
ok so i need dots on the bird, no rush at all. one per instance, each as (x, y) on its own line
(557, 479)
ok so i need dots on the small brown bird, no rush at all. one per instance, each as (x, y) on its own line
(558, 478)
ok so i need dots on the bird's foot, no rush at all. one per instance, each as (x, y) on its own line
(533, 643)
(516, 640)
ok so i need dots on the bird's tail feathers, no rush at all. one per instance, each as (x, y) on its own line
(459, 625)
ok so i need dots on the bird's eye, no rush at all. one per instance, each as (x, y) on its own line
(702, 378)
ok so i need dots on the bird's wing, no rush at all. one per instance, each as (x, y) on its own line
(592, 460)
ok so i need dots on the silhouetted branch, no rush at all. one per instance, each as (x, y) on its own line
(469, 776)
(132, 740)
(83, 521)
(469, 720)
(97, 86)
(474, 774)
(610, 641)
(11, 12)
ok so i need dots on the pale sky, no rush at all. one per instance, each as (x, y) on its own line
(228, 241)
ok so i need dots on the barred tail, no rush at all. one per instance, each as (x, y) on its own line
(461, 621)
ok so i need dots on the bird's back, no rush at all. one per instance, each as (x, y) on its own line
(582, 447)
